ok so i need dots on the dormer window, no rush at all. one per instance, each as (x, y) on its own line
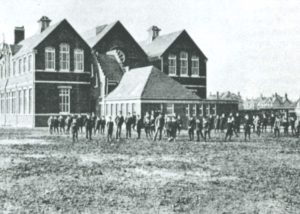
(78, 60)
(183, 63)
(64, 57)
(195, 66)
(172, 65)
(50, 59)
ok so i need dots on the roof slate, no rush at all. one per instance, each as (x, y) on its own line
(149, 83)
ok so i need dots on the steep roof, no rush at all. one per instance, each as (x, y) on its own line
(110, 67)
(160, 44)
(30, 43)
(93, 36)
(149, 83)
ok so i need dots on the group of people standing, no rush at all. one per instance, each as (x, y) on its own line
(156, 125)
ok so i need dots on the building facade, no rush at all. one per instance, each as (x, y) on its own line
(45, 74)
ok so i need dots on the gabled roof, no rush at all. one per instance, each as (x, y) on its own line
(93, 36)
(160, 44)
(110, 67)
(30, 43)
(149, 83)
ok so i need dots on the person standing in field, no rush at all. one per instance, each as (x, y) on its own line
(80, 123)
(199, 127)
(206, 128)
(230, 123)
(128, 124)
(102, 124)
(74, 129)
(292, 124)
(55, 125)
(139, 126)
(173, 129)
(237, 121)
(191, 128)
(134, 118)
(147, 125)
(93, 119)
(98, 124)
(88, 127)
(61, 124)
(152, 123)
(264, 123)
(222, 122)
(119, 122)
(50, 123)
(168, 127)
(217, 123)
(179, 124)
(210, 120)
(110, 129)
(272, 121)
(277, 124)
(159, 125)
(247, 127)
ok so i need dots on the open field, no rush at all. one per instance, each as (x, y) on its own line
(47, 174)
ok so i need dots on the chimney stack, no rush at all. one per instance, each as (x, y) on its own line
(19, 34)
(153, 32)
(286, 96)
(44, 23)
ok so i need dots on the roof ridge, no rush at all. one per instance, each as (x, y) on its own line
(148, 78)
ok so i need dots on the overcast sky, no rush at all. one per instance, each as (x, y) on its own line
(253, 46)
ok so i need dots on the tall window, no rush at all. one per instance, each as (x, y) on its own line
(187, 110)
(170, 109)
(122, 108)
(24, 64)
(64, 100)
(127, 108)
(111, 109)
(29, 62)
(50, 59)
(133, 108)
(30, 101)
(184, 63)
(20, 102)
(194, 110)
(25, 101)
(20, 66)
(14, 68)
(200, 110)
(195, 66)
(64, 57)
(172, 64)
(78, 60)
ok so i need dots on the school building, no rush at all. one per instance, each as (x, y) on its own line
(58, 71)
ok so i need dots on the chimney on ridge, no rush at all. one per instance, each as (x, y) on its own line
(44, 23)
(19, 34)
(153, 32)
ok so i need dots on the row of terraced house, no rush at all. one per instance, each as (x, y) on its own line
(104, 70)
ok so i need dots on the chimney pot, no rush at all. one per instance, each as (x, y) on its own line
(44, 23)
(19, 34)
(153, 32)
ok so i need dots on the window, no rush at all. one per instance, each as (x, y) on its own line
(14, 68)
(122, 108)
(195, 66)
(20, 66)
(170, 109)
(78, 60)
(117, 109)
(24, 64)
(50, 59)
(194, 110)
(25, 101)
(30, 101)
(29, 62)
(20, 102)
(187, 110)
(184, 63)
(133, 108)
(111, 109)
(64, 100)
(106, 110)
(127, 108)
(207, 110)
(172, 64)
(64, 57)
(200, 110)
(213, 109)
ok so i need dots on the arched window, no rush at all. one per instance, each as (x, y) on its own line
(183, 63)
(78, 60)
(50, 59)
(64, 57)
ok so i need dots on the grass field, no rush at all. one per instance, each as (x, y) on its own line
(47, 174)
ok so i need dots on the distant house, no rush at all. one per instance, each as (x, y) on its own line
(45, 74)
(178, 56)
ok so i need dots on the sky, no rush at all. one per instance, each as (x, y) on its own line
(252, 46)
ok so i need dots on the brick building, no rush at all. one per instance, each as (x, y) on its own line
(45, 74)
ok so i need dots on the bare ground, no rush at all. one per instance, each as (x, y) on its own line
(48, 174)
